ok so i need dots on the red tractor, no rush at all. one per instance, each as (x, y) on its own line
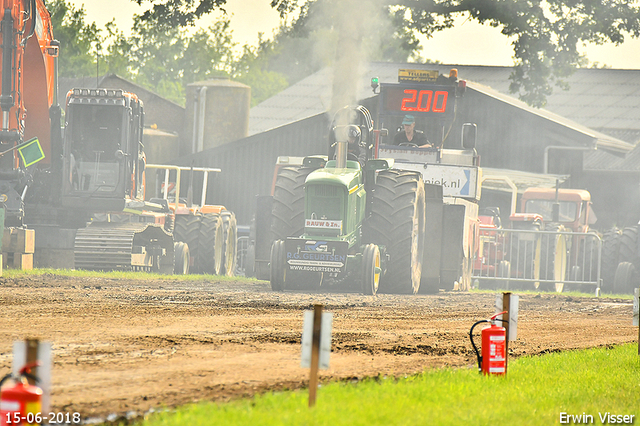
(548, 243)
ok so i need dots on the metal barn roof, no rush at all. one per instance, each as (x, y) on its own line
(601, 103)
(605, 100)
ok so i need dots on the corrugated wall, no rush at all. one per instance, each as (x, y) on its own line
(513, 138)
(248, 164)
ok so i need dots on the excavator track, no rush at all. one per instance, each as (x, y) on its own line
(124, 246)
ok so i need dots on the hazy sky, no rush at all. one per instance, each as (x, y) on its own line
(467, 43)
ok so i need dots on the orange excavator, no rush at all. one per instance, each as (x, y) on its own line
(28, 99)
(82, 194)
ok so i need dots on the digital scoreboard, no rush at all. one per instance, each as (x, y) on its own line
(420, 100)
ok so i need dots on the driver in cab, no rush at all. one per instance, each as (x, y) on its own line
(410, 136)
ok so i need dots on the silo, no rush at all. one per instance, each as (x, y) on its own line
(217, 113)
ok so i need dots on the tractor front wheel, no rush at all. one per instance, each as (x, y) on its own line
(371, 269)
(277, 274)
(230, 246)
(211, 242)
(181, 255)
(187, 230)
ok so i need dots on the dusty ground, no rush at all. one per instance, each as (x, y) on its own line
(122, 346)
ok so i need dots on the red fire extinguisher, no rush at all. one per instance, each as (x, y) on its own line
(493, 359)
(21, 404)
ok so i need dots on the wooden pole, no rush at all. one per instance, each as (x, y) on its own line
(315, 354)
(637, 294)
(506, 301)
(32, 356)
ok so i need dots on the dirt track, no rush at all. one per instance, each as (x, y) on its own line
(122, 346)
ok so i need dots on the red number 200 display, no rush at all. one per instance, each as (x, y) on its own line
(424, 100)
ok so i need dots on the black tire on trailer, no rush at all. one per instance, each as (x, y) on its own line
(187, 230)
(626, 278)
(230, 245)
(610, 256)
(277, 269)
(553, 258)
(181, 256)
(287, 213)
(397, 222)
(370, 269)
(211, 244)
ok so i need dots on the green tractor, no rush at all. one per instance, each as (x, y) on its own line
(363, 222)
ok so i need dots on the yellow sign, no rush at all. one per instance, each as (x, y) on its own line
(31, 152)
(417, 76)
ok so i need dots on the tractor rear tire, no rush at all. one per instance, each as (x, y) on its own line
(609, 262)
(277, 267)
(230, 246)
(626, 278)
(628, 250)
(370, 269)
(211, 244)
(187, 230)
(287, 213)
(181, 255)
(553, 258)
(397, 222)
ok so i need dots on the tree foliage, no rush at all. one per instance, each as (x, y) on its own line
(310, 42)
(173, 13)
(78, 39)
(161, 58)
(546, 37)
(166, 59)
(546, 33)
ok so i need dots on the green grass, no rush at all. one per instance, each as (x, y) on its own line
(563, 294)
(535, 392)
(17, 273)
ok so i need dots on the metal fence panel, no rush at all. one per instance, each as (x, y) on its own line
(537, 260)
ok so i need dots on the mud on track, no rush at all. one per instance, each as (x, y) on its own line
(130, 345)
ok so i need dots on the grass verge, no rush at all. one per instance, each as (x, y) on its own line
(535, 392)
(143, 276)
(563, 294)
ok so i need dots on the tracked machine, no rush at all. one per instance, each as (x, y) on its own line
(103, 185)
(84, 195)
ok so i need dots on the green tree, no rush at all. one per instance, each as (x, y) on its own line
(208, 53)
(312, 40)
(252, 69)
(172, 13)
(78, 40)
(115, 53)
(165, 59)
(546, 33)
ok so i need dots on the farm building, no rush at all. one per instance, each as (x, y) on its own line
(585, 136)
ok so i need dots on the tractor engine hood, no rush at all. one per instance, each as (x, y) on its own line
(334, 201)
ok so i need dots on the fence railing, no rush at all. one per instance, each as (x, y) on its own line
(538, 260)
(241, 263)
